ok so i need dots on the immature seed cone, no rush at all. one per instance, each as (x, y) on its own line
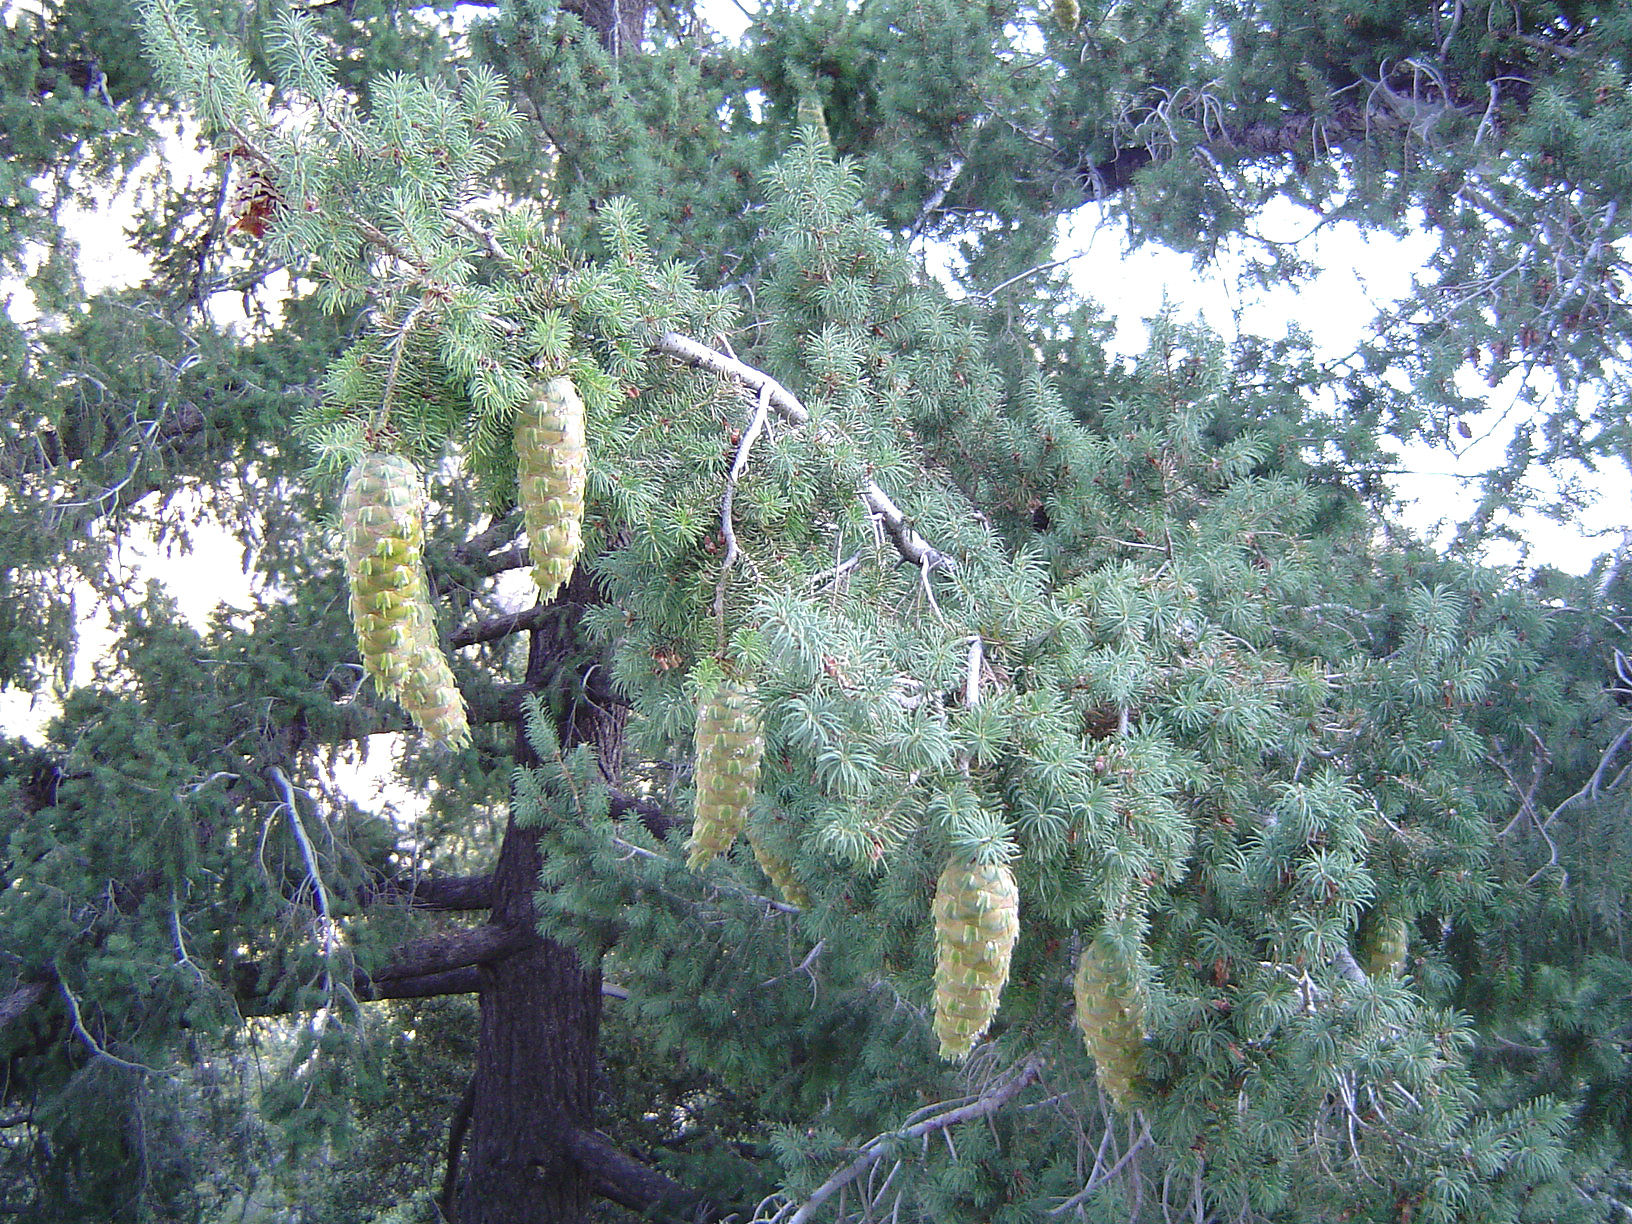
(977, 920)
(1384, 940)
(429, 693)
(382, 515)
(729, 744)
(780, 872)
(1066, 15)
(1111, 1015)
(551, 462)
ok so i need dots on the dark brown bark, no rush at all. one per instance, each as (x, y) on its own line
(628, 1183)
(540, 1007)
(447, 894)
(621, 24)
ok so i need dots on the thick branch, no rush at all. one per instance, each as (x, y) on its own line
(442, 964)
(626, 1181)
(496, 627)
(447, 950)
(465, 980)
(501, 704)
(447, 894)
(1311, 135)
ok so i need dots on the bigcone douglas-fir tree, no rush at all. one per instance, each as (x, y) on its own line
(1095, 808)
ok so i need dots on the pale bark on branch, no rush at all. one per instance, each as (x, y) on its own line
(911, 546)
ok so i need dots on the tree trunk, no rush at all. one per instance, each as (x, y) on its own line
(540, 1008)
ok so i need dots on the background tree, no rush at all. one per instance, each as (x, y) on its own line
(1319, 824)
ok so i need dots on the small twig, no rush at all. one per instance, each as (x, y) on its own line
(941, 1122)
(308, 854)
(802, 967)
(1098, 1179)
(727, 531)
(181, 944)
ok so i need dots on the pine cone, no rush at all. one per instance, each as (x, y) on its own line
(780, 873)
(382, 513)
(1111, 1015)
(551, 462)
(1384, 940)
(729, 744)
(429, 693)
(1066, 15)
(977, 920)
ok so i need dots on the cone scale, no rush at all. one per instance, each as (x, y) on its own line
(977, 920)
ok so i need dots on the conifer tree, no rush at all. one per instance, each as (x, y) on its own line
(949, 773)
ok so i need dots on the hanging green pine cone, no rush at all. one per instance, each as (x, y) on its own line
(551, 462)
(977, 920)
(429, 693)
(1111, 1015)
(780, 872)
(382, 515)
(1066, 15)
(1384, 940)
(729, 744)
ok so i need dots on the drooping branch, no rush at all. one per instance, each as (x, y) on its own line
(912, 546)
(701, 357)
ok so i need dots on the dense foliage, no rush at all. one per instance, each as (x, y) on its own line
(902, 651)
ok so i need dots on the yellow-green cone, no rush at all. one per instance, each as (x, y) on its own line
(382, 516)
(1111, 1015)
(429, 693)
(1384, 940)
(729, 744)
(780, 872)
(1066, 15)
(551, 462)
(977, 920)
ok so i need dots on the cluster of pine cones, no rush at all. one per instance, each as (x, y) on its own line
(976, 906)
(382, 516)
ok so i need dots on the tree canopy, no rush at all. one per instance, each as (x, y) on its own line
(859, 748)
